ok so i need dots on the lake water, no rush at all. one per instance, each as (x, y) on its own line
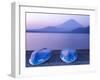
(56, 41)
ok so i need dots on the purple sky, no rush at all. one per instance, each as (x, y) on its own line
(40, 20)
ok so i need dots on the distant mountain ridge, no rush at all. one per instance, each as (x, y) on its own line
(81, 30)
(70, 26)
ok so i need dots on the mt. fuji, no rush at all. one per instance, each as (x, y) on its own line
(70, 26)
